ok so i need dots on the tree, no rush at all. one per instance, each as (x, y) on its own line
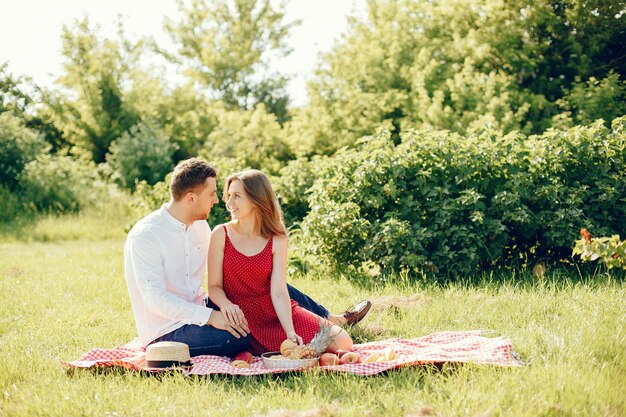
(143, 153)
(91, 109)
(253, 137)
(226, 46)
(18, 96)
(18, 146)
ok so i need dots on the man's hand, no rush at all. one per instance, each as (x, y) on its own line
(217, 320)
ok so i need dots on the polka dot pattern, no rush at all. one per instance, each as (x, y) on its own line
(247, 283)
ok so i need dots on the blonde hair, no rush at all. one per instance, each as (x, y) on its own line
(258, 188)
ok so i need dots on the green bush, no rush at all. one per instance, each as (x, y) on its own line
(292, 187)
(594, 99)
(9, 204)
(144, 153)
(439, 201)
(59, 184)
(252, 136)
(18, 146)
(611, 251)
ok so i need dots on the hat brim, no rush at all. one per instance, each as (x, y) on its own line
(167, 365)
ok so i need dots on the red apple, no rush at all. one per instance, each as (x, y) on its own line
(329, 359)
(350, 357)
(244, 356)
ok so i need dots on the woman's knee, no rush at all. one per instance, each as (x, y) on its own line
(342, 341)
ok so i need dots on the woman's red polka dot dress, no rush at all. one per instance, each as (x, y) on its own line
(247, 284)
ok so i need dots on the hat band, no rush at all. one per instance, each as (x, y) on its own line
(166, 364)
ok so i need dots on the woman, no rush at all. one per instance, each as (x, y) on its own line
(248, 265)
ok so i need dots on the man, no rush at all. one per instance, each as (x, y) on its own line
(165, 257)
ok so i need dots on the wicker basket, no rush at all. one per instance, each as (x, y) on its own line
(288, 363)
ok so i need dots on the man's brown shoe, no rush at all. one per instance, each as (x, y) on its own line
(356, 313)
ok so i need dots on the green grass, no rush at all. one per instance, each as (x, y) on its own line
(60, 297)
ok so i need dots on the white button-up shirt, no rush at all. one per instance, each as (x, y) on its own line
(164, 264)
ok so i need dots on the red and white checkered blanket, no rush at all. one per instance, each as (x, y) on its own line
(459, 347)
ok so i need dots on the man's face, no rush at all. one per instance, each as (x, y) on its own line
(204, 199)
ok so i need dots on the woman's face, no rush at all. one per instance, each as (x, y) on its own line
(238, 203)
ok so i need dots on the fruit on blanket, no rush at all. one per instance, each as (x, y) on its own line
(329, 359)
(349, 357)
(303, 352)
(387, 355)
(316, 346)
(372, 357)
(244, 356)
(341, 352)
(287, 347)
(240, 364)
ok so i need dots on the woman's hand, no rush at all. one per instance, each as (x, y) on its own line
(233, 314)
(294, 337)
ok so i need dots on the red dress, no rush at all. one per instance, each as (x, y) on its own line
(247, 284)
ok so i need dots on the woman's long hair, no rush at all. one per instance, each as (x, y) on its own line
(258, 188)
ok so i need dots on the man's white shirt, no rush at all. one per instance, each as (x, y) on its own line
(164, 264)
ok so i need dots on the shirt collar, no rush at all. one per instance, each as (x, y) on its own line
(173, 220)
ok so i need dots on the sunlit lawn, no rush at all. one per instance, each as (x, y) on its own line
(64, 294)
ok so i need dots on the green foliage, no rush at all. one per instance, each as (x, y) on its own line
(443, 202)
(292, 186)
(18, 146)
(595, 99)
(185, 115)
(146, 198)
(53, 183)
(226, 45)
(19, 96)
(254, 137)
(13, 98)
(459, 65)
(93, 111)
(9, 204)
(611, 251)
(143, 153)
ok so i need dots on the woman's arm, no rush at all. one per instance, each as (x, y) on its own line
(280, 296)
(215, 271)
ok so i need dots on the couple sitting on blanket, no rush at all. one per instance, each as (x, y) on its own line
(251, 307)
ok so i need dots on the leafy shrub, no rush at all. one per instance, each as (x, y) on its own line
(439, 201)
(18, 146)
(144, 153)
(254, 137)
(595, 99)
(59, 183)
(611, 251)
(9, 204)
(147, 198)
(292, 187)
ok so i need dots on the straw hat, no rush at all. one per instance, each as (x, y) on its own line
(162, 355)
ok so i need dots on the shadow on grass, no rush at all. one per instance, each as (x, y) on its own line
(289, 379)
(563, 274)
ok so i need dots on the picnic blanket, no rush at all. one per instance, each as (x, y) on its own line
(436, 348)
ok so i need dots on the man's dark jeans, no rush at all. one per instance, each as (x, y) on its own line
(207, 340)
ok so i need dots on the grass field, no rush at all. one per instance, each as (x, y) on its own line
(63, 292)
